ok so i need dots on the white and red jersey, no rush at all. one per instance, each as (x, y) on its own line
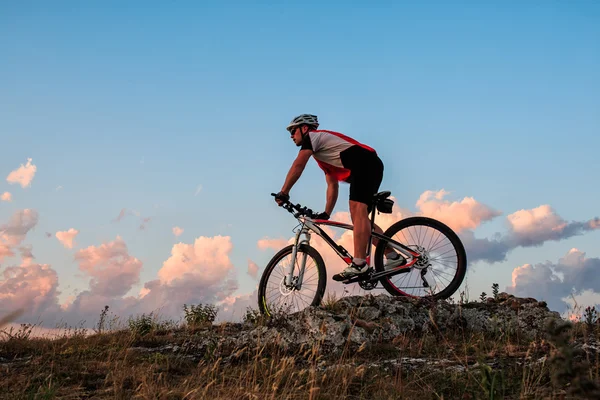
(334, 152)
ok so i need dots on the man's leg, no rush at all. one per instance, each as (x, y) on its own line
(361, 233)
(362, 229)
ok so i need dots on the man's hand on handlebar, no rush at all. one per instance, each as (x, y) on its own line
(281, 197)
(322, 215)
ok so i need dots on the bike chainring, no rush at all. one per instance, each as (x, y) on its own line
(367, 284)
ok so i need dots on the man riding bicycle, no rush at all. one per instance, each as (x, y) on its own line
(343, 159)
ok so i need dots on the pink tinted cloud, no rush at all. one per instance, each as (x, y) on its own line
(233, 308)
(112, 270)
(206, 260)
(67, 237)
(22, 175)
(201, 272)
(268, 243)
(21, 222)
(177, 231)
(573, 274)
(5, 251)
(6, 196)
(458, 215)
(31, 287)
(535, 226)
(253, 269)
(13, 233)
(26, 254)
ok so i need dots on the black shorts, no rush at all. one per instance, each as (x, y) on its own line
(366, 174)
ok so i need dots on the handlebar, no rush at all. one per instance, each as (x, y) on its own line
(300, 211)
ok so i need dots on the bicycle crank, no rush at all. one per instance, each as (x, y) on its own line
(368, 284)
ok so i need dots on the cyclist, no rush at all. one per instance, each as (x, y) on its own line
(343, 159)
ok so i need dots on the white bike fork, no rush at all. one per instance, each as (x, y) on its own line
(289, 273)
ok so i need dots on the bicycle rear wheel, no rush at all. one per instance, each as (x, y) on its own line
(445, 265)
(275, 296)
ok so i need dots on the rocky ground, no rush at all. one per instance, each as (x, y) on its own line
(356, 347)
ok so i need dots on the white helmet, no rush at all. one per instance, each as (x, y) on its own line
(307, 119)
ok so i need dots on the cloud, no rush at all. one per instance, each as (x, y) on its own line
(22, 175)
(198, 189)
(26, 254)
(526, 228)
(112, 270)
(277, 244)
(459, 216)
(58, 188)
(31, 287)
(535, 226)
(13, 233)
(206, 260)
(67, 237)
(5, 251)
(233, 308)
(555, 282)
(201, 272)
(6, 196)
(488, 250)
(177, 231)
(253, 269)
(195, 273)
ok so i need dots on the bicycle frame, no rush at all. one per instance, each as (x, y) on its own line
(310, 225)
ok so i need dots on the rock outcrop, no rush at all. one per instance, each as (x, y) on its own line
(357, 321)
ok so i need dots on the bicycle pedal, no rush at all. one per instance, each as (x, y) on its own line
(359, 277)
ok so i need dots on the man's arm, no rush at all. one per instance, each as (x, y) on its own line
(296, 170)
(332, 193)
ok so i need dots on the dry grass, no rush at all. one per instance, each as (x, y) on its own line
(139, 361)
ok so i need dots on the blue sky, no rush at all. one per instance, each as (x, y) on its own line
(136, 106)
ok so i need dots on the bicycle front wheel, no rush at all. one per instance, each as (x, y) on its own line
(273, 293)
(443, 267)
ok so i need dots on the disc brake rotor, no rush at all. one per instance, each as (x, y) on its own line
(423, 261)
(286, 290)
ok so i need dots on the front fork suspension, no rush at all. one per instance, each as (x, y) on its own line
(289, 273)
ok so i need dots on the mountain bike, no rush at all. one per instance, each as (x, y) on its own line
(421, 247)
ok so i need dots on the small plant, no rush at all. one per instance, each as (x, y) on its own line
(491, 381)
(102, 321)
(252, 316)
(483, 296)
(200, 314)
(331, 302)
(23, 333)
(141, 325)
(590, 317)
(495, 287)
